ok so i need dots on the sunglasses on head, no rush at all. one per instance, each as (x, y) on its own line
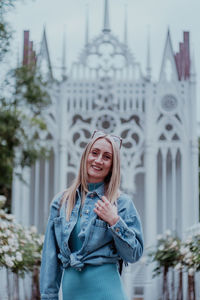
(99, 133)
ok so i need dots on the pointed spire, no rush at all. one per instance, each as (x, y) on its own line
(87, 25)
(168, 70)
(148, 69)
(44, 55)
(64, 68)
(125, 25)
(106, 23)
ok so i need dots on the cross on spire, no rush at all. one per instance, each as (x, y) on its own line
(106, 23)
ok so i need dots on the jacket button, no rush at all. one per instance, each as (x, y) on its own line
(117, 229)
(92, 195)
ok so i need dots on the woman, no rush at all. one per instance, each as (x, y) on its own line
(91, 227)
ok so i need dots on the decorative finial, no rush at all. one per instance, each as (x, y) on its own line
(125, 25)
(106, 23)
(64, 68)
(87, 25)
(148, 69)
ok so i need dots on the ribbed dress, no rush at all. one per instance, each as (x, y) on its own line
(93, 282)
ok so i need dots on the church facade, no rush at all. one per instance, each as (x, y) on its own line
(107, 90)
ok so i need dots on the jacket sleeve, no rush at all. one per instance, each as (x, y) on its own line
(127, 232)
(51, 268)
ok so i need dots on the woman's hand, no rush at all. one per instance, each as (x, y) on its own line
(106, 211)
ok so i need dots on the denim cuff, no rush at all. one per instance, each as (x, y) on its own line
(118, 227)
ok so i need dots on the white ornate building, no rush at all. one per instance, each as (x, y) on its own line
(106, 89)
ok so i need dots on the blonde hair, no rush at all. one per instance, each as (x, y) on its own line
(112, 180)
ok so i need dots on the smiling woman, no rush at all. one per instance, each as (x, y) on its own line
(92, 226)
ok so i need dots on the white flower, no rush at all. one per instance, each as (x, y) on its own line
(8, 261)
(18, 256)
(2, 200)
(178, 267)
(184, 250)
(5, 248)
(11, 241)
(168, 232)
(7, 232)
(173, 245)
(188, 255)
(9, 217)
(161, 248)
(189, 240)
(40, 240)
(3, 225)
(191, 271)
(33, 229)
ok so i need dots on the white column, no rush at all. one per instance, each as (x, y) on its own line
(15, 194)
(25, 204)
(46, 191)
(164, 188)
(150, 214)
(194, 144)
(56, 168)
(36, 198)
(62, 142)
(151, 195)
(187, 200)
(195, 182)
(150, 190)
(174, 216)
(62, 165)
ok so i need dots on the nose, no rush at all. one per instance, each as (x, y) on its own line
(98, 159)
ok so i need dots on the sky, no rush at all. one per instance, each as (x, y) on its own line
(68, 17)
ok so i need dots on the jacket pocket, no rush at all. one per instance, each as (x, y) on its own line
(99, 235)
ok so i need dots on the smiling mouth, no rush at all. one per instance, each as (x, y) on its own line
(96, 168)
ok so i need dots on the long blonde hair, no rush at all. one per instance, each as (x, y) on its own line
(112, 180)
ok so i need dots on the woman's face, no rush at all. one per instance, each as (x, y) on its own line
(99, 160)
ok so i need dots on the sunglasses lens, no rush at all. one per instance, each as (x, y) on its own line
(117, 139)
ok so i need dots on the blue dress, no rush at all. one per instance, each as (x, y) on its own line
(93, 282)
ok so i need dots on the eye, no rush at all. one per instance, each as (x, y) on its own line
(107, 157)
(94, 152)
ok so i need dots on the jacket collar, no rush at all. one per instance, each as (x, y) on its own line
(99, 191)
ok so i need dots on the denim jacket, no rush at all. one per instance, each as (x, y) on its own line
(101, 243)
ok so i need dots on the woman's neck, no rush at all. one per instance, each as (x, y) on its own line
(93, 186)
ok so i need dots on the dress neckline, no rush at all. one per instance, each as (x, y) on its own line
(93, 186)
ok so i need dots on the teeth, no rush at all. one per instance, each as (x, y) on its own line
(96, 168)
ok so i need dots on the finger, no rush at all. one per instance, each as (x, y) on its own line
(97, 212)
(98, 206)
(105, 200)
(100, 203)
